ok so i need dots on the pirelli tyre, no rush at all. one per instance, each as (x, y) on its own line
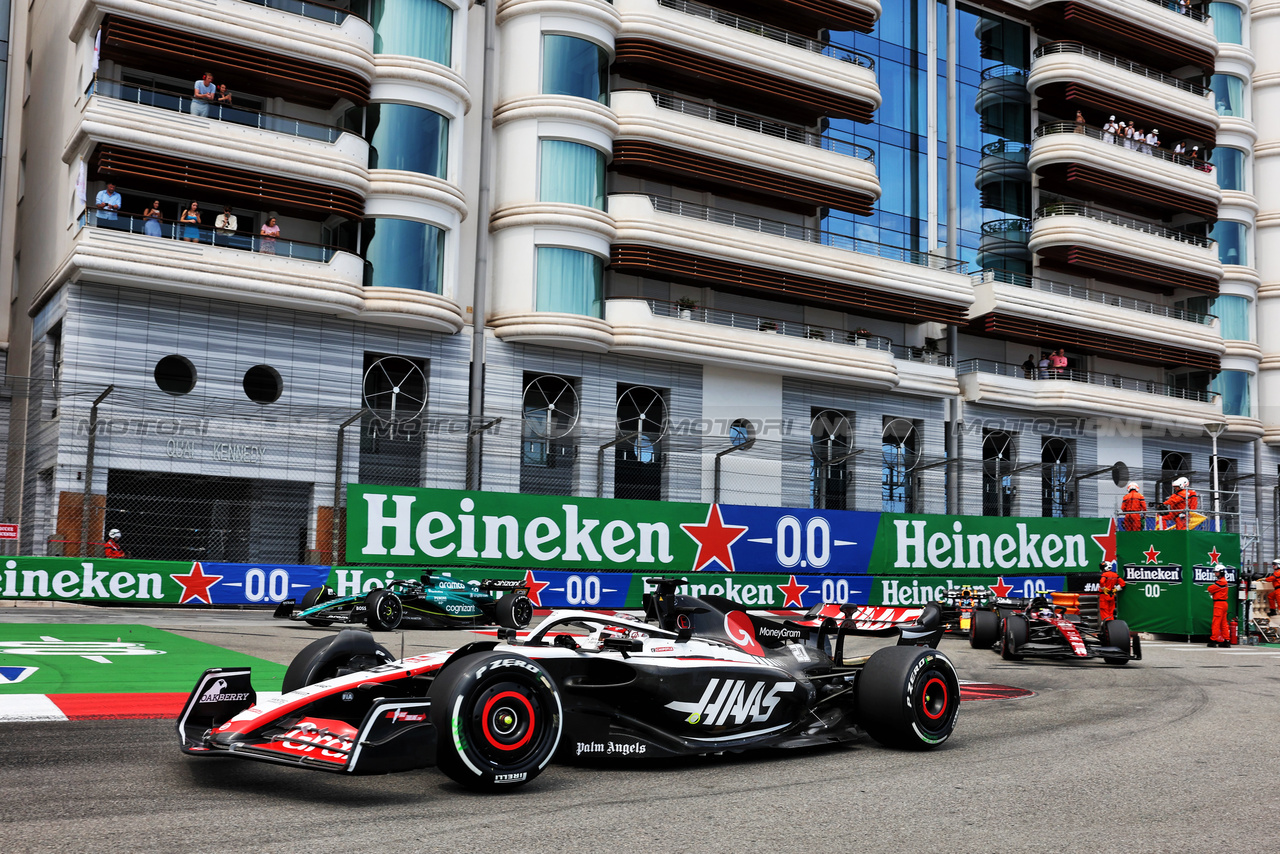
(498, 720)
(312, 598)
(1015, 635)
(1115, 633)
(384, 610)
(515, 611)
(984, 629)
(908, 697)
(349, 651)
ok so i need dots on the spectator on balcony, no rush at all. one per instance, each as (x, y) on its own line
(151, 219)
(269, 232)
(1184, 6)
(1152, 142)
(203, 95)
(1044, 366)
(191, 223)
(1080, 122)
(1180, 148)
(1029, 366)
(1109, 130)
(1058, 362)
(224, 228)
(223, 95)
(108, 203)
(1128, 134)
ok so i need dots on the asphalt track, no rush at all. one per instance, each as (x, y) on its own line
(1177, 753)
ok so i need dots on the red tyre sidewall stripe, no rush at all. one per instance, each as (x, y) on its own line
(946, 698)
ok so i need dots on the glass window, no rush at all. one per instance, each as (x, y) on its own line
(1228, 167)
(576, 67)
(1228, 95)
(1234, 388)
(1233, 317)
(410, 138)
(570, 281)
(402, 253)
(420, 28)
(1227, 23)
(572, 173)
(1232, 241)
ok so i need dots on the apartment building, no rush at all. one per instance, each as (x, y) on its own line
(794, 253)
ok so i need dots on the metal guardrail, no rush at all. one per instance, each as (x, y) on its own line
(1000, 72)
(1185, 11)
(167, 100)
(1124, 64)
(747, 25)
(733, 219)
(1007, 149)
(332, 13)
(1005, 369)
(756, 124)
(207, 235)
(1141, 147)
(1069, 209)
(757, 323)
(1005, 226)
(1080, 292)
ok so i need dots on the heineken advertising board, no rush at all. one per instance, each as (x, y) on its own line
(153, 582)
(442, 527)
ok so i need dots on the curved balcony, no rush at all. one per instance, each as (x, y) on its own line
(1035, 310)
(677, 241)
(675, 140)
(1089, 242)
(682, 45)
(1000, 85)
(291, 273)
(1157, 32)
(1004, 239)
(143, 118)
(1068, 76)
(812, 16)
(1083, 162)
(1088, 393)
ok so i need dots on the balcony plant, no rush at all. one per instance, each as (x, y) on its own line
(686, 305)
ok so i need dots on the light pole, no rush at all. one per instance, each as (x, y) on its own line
(1215, 429)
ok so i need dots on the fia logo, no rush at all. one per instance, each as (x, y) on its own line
(736, 700)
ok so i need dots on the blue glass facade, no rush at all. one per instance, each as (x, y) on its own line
(993, 116)
(402, 253)
(413, 139)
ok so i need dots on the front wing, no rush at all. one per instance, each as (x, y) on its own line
(1092, 650)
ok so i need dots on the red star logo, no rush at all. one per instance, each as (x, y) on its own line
(535, 587)
(1107, 542)
(1000, 588)
(792, 590)
(1214, 554)
(1151, 554)
(195, 585)
(714, 539)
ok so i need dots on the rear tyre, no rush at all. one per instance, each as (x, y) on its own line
(384, 611)
(515, 611)
(908, 697)
(349, 651)
(984, 629)
(1115, 633)
(1015, 635)
(498, 720)
(312, 598)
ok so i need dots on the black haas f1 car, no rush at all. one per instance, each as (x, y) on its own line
(706, 678)
(426, 603)
(1031, 628)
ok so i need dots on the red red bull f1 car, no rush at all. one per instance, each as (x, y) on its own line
(1032, 628)
(704, 677)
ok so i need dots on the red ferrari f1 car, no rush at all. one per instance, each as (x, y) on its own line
(705, 677)
(1032, 628)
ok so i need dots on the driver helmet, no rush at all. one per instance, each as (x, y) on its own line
(1181, 483)
(113, 534)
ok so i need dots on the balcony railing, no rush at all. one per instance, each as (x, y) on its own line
(1080, 292)
(205, 234)
(1109, 59)
(757, 28)
(1188, 12)
(663, 204)
(756, 124)
(1003, 72)
(332, 13)
(1067, 209)
(167, 100)
(1015, 152)
(1004, 369)
(1011, 229)
(1142, 147)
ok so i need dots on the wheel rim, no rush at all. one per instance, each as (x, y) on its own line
(389, 610)
(935, 698)
(524, 612)
(507, 722)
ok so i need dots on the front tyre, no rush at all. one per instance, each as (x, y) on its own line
(908, 697)
(1115, 633)
(515, 611)
(349, 651)
(1015, 635)
(498, 720)
(384, 610)
(984, 629)
(312, 598)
